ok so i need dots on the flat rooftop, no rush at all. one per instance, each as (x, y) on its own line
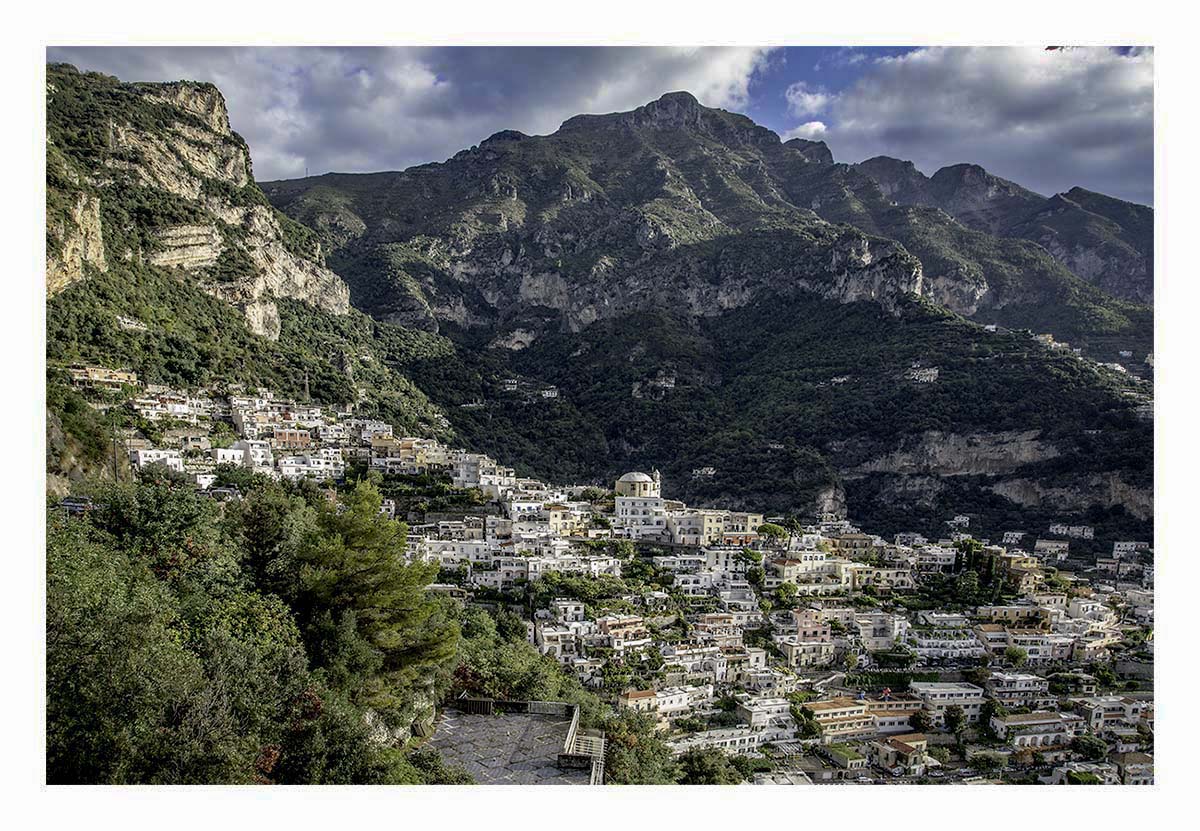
(507, 748)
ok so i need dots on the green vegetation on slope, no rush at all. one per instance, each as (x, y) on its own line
(191, 644)
(195, 340)
(783, 396)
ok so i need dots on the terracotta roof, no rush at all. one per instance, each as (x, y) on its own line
(640, 694)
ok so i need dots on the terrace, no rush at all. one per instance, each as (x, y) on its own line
(519, 743)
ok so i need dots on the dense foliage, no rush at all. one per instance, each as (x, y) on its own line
(277, 640)
(754, 397)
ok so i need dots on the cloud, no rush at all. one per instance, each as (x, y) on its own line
(368, 109)
(807, 130)
(1049, 120)
(842, 57)
(804, 100)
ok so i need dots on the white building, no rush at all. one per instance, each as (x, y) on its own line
(171, 459)
(938, 696)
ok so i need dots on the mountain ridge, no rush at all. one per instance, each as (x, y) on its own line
(1106, 241)
(607, 189)
(696, 298)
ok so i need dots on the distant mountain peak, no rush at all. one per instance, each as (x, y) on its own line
(680, 98)
(503, 136)
(673, 109)
(889, 162)
(813, 151)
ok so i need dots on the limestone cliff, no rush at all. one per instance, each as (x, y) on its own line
(950, 454)
(153, 175)
(74, 240)
(1108, 490)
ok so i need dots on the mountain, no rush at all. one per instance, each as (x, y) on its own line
(611, 214)
(629, 210)
(152, 173)
(636, 260)
(671, 286)
(1108, 242)
(164, 255)
(1105, 241)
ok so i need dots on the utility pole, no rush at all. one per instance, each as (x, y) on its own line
(112, 423)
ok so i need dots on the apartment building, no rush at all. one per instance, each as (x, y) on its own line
(938, 696)
(1020, 689)
(841, 718)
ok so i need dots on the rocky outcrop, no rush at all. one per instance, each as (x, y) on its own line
(816, 152)
(201, 100)
(79, 240)
(179, 159)
(188, 247)
(864, 270)
(831, 501)
(277, 272)
(950, 454)
(174, 141)
(898, 180)
(515, 340)
(960, 294)
(1106, 490)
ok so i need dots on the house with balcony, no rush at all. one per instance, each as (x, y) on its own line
(944, 643)
(938, 696)
(1020, 689)
(841, 719)
(143, 458)
(1047, 733)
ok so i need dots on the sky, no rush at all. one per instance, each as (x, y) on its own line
(1047, 119)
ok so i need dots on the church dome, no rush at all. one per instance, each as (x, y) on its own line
(635, 476)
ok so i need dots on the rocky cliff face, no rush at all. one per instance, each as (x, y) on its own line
(951, 454)
(153, 174)
(1108, 490)
(74, 242)
(1108, 242)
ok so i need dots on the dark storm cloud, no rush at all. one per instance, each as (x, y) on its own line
(364, 109)
(1049, 120)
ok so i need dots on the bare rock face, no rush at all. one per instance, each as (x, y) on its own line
(235, 248)
(962, 296)
(201, 100)
(80, 241)
(180, 158)
(830, 501)
(515, 340)
(1106, 490)
(188, 247)
(950, 454)
(280, 273)
(1115, 269)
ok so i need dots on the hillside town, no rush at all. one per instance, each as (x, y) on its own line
(817, 651)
